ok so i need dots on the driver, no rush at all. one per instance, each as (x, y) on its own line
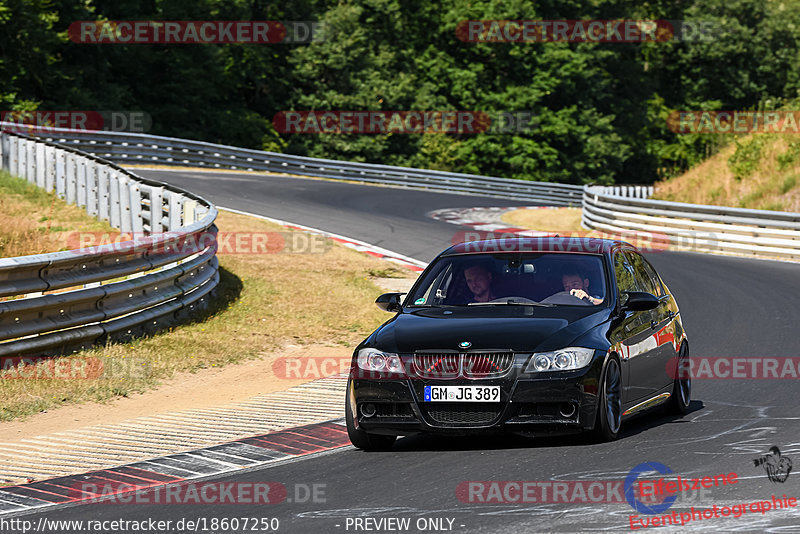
(479, 281)
(577, 284)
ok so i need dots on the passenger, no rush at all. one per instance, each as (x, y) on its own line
(479, 282)
(577, 284)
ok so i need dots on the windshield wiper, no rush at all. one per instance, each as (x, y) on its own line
(511, 302)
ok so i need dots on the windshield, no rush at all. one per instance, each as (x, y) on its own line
(518, 278)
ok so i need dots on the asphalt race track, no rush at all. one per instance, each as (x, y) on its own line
(731, 307)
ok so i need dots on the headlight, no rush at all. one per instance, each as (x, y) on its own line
(540, 363)
(560, 360)
(377, 361)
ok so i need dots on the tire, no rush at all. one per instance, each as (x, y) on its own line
(359, 437)
(609, 402)
(682, 385)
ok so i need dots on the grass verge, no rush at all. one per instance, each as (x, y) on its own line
(546, 219)
(33, 221)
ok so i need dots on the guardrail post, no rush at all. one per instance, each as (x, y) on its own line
(124, 203)
(61, 173)
(5, 147)
(175, 211)
(189, 207)
(72, 182)
(21, 159)
(156, 210)
(14, 155)
(50, 168)
(91, 187)
(103, 195)
(30, 162)
(81, 181)
(40, 164)
(113, 189)
(135, 210)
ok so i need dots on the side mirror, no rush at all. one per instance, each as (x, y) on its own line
(389, 302)
(638, 301)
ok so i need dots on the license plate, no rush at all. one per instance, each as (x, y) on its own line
(462, 394)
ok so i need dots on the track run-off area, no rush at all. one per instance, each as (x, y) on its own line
(731, 307)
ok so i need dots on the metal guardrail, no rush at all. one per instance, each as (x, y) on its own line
(694, 227)
(129, 148)
(104, 292)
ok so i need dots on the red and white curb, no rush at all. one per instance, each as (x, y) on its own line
(355, 244)
(486, 219)
(90, 448)
(114, 483)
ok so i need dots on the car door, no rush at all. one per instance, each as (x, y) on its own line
(651, 367)
(633, 335)
(662, 323)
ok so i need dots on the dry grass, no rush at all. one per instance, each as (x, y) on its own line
(269, 300)
(33, 221)
(765, 175)
(546, 219)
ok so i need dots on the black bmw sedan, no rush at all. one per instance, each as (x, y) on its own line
(534, 336)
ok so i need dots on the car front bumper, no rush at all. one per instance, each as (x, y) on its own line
(558, 403)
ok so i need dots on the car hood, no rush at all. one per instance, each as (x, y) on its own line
(517, 328)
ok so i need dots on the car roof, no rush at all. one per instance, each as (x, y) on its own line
(555, 244)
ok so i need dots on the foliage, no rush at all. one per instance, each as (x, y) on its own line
(600, 108)
(747, 156)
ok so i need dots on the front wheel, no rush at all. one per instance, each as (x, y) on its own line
(609, 403)
(358, 436)
(682, 385)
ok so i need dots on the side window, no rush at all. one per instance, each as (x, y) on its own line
(660, 292)
(623, 271)
(643, 280)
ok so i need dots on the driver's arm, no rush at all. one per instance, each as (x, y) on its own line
(583, 295)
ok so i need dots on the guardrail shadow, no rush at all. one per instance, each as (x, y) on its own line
(228, 291)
